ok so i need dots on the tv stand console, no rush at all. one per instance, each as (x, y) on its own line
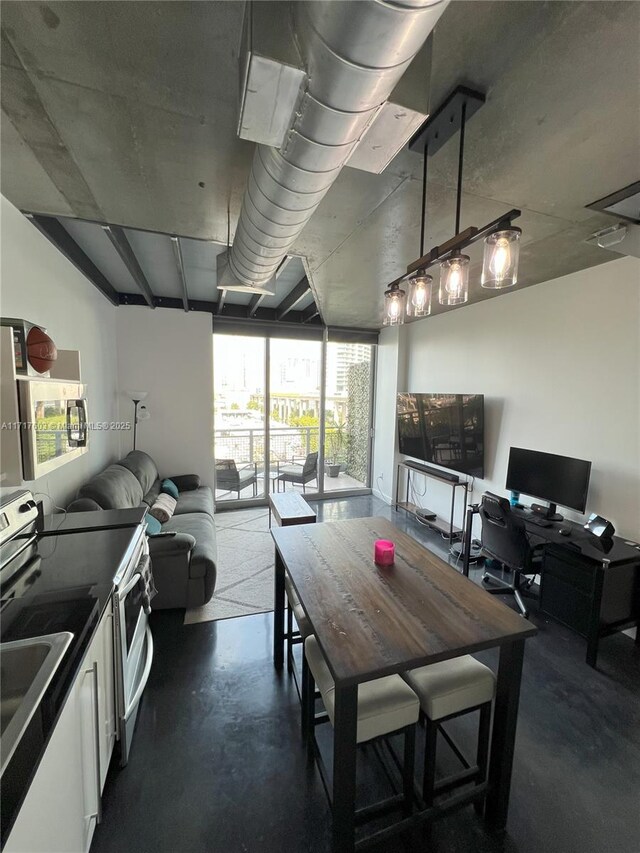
(426, 516)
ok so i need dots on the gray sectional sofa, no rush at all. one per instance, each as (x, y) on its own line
(184, 565)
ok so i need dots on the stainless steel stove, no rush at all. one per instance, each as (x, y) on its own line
(57, 577)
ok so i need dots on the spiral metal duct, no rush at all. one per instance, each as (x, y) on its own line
(354, 53)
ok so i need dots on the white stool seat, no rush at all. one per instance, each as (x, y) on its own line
(384, 705)
(452, 686)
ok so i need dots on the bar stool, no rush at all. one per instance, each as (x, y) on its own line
(385, 706)
(446, 690)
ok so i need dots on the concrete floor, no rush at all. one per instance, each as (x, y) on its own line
(217, 763)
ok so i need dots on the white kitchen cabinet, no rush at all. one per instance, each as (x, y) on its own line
(49, 820)
(62, 806)
(104, 656)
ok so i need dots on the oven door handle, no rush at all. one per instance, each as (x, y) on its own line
(122, 593)
(145, 676)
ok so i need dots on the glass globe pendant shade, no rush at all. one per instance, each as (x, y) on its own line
(419, 298)
(501, 255)
(394, 300)
(454, 280)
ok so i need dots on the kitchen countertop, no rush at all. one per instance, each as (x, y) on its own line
(65, 585)
(103, 519)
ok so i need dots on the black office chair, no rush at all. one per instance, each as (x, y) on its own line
(504, 538)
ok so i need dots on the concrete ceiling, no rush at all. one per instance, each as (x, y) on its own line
(126, 113)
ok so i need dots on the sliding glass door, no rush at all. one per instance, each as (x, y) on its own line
(239, 432)
(290, 415)
(295, 380)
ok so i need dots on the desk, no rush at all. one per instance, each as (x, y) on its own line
(371, 622)
(592, 587)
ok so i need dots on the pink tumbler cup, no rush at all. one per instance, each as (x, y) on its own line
(384, 552)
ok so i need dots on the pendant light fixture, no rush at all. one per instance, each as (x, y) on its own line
(501, 238)
(419, 298)
(394, 305)
(420, 285)
(454, 272)
(501, 256)
(454, 280)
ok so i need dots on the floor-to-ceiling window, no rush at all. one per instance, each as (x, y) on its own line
(295, 382)
(239, 446)
(290, 415)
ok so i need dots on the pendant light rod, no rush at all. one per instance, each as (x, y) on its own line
(423, 218)
(460, 165)
(461, 241)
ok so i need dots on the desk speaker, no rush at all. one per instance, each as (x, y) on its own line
(599, 526)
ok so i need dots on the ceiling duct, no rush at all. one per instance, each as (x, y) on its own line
(313, 104)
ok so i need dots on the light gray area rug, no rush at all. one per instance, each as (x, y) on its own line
(245, 567)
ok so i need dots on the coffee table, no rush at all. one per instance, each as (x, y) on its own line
(371, 622)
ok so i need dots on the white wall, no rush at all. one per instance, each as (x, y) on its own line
(390, 378)
(169, 354)
(559, 365)
(39, 284)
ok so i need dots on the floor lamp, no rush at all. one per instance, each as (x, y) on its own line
(137, 397)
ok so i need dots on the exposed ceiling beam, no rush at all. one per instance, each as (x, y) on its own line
(310, 313)
(294, 298)
(122, 246)
(283, 265)
(177, 251)
(64, 242)
(169, 302)
(256, 302)
(232, 311)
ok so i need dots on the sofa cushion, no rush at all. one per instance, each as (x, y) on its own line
(114, 488)
(169, 488)
(186, 482)
(152, 495)
(142, 467)
(153, 525)
(200, 500)
(201, 527)
(163, 508)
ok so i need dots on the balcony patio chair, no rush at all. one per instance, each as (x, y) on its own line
(232, 479)
(297, 472)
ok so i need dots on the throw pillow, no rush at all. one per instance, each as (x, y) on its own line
(169, 488)
(163, 508)
(153, 525)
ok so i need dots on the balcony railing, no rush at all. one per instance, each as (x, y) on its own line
(285, 444)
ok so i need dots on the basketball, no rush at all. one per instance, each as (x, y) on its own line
(41, 350)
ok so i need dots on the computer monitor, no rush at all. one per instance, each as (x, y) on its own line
(557, 479)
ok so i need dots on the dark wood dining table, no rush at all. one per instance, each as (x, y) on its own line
(373, 621)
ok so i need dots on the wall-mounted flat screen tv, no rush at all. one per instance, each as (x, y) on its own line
(443, 429)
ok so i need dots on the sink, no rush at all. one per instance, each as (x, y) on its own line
(27, 667)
